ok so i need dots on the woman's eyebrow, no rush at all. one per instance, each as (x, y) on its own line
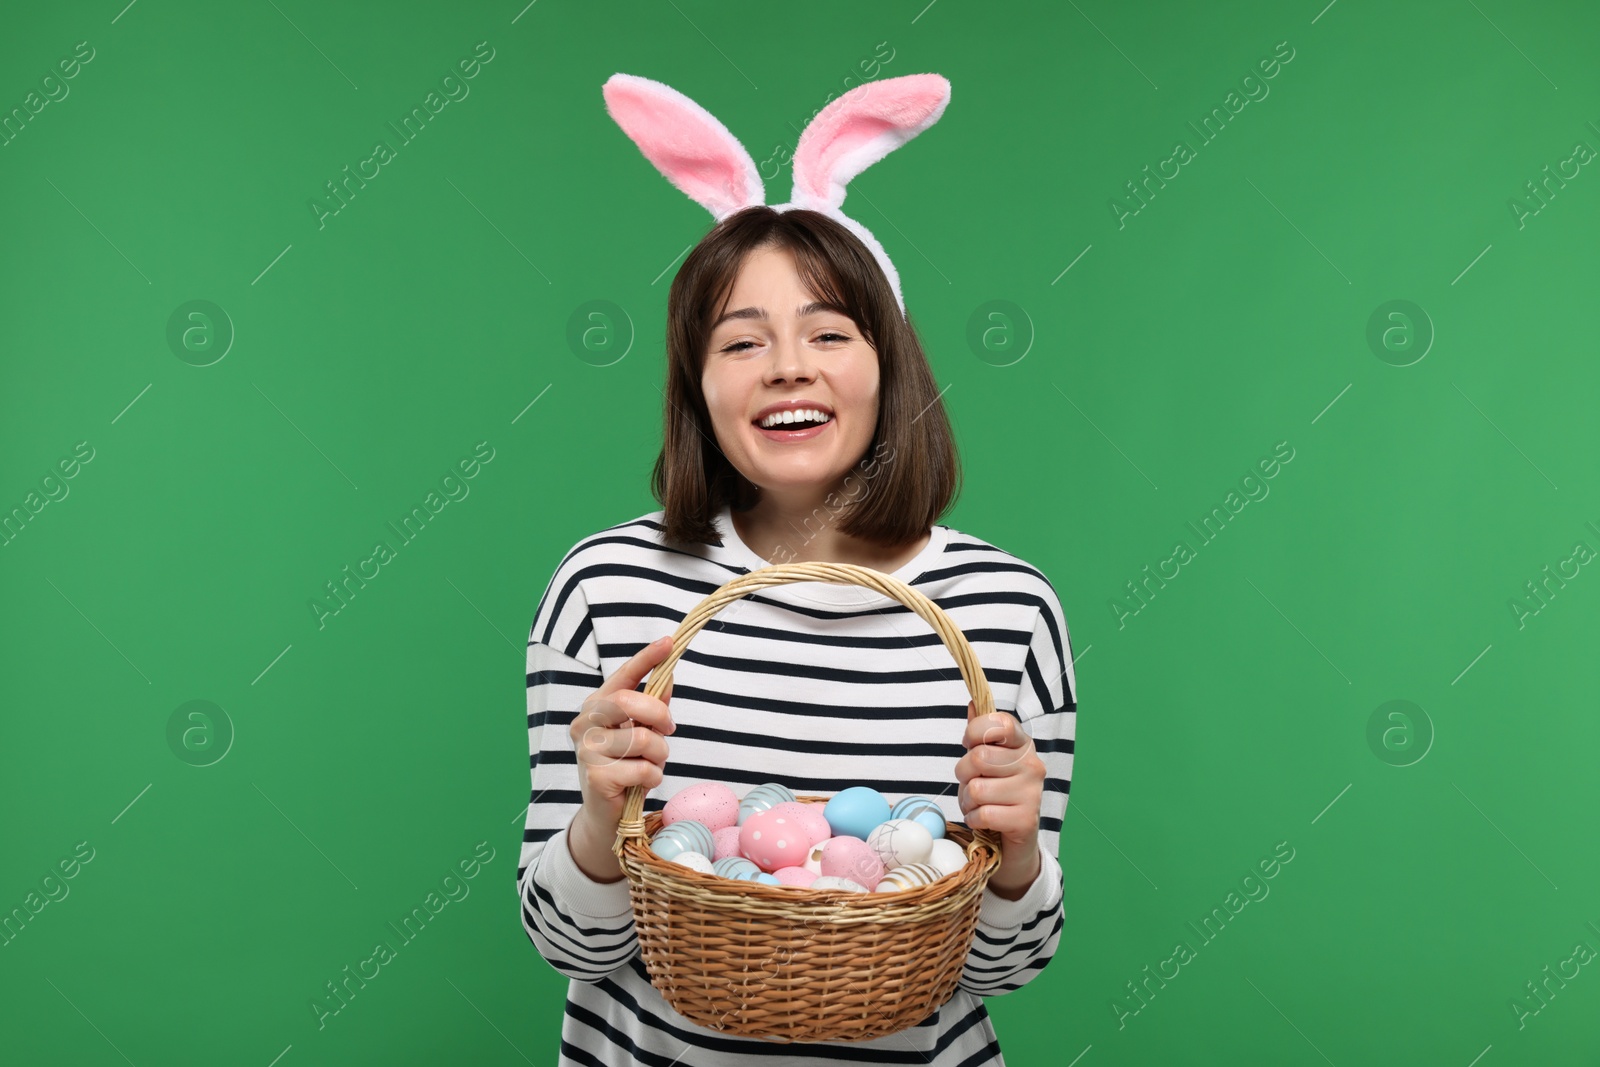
(801, 312)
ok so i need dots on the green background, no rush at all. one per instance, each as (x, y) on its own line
(1441, 860)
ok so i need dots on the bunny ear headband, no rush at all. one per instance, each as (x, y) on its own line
(697, 153)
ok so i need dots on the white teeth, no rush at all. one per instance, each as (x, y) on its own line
(780, 417)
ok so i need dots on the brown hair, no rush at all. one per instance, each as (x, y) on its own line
(920, 471)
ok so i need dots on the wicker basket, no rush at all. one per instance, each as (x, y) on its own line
(789, 964)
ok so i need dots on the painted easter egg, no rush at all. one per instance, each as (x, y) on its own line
(685, 835)
(710, 803)
(725, 842)
(855, 811)
(831, 882)
(796, 876)
(810, 816)
(767, 879)
(899, 842)
(763, 797)
(910, 806)
(852, 858)
(736, 867)
(907, 877)
(923, 810)
(773, 840)
(694, 861)
(947, 857)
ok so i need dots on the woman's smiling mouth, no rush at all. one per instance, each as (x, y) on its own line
(793, 420)
(788, 432)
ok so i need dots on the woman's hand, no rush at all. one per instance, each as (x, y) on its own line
(619, 738)
(1002, 784)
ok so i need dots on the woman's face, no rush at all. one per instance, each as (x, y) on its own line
(772, 347)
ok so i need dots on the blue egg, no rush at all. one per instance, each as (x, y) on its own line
(855, 811)
(933, 820)
(685, 835)
(763, 797)
(669, 846)
(767, 879)
(736, 867)
(910, 806)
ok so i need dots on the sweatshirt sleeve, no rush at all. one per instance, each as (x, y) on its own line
(1016, 939)
(583, 928)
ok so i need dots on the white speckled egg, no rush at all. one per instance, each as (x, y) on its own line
(694, 861)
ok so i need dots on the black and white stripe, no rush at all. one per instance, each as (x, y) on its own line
(816, 685)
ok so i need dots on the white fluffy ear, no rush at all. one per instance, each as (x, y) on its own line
(686, 143)
(860, 128)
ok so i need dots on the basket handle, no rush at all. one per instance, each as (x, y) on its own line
(632, 821)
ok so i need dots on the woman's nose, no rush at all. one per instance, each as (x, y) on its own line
(788, 360)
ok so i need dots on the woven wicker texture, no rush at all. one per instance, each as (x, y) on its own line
(788, 964)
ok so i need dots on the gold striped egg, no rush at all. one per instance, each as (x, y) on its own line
(910, 876)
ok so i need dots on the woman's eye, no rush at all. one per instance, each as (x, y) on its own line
(740, 346)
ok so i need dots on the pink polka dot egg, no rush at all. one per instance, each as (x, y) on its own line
(710, 803)
(774, 840)
(809, 816)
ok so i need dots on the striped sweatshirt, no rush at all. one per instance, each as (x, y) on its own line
(819, 686)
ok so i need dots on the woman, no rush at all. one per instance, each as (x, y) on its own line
(816, 685)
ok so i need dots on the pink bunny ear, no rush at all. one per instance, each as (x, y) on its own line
(860, 128)
(686, 143)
